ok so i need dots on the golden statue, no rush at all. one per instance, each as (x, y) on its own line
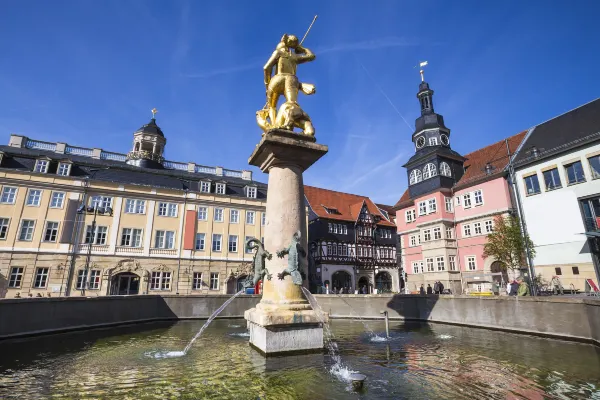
(285, 59)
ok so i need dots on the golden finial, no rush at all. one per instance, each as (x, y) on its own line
(154, 111)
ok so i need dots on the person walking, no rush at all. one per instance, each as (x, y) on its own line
(441, 287)
(422, 289)
(436, 287)
(429, 289)
(523, 288)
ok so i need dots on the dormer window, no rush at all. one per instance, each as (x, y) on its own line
(331, 210)
(205, 187)
(41, 166)
(433, 141)
(251, 192)
(220, 188)
(64, 169)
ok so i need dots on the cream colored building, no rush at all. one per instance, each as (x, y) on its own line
(87, 222)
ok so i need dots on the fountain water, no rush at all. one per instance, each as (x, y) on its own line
(338, 369)
(367, 327)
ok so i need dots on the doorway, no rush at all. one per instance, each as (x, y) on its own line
(363, 282)
(125, 284)
(342, 279)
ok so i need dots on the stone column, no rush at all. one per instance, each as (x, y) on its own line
(284, 321)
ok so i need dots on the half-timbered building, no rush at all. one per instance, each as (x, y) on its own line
(352, 243)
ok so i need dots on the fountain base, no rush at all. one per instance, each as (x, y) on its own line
(284, 331)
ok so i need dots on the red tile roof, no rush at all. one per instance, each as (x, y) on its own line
(347, 205)
(495, 154)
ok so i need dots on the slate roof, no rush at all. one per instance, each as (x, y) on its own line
(151, 128)
(475, 165)
(348, 205)
(389, 210)
(571, 129)
(23, 159)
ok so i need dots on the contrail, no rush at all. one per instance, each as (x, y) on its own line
(386, 96)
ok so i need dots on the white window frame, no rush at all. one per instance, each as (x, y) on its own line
(204, 187)
(234, 216)
(34, 197)
(197, 282)
(445, 169)
(449, 233)
(43, 273)
(426, 234)
(477, 230)
(250, 217)
(219, 214)
(160, 280)
(28, 237)
(135, 206)
(437, 233)
(452, 263)
(430, 264)
(164, 239)
(200, 242)
(415, 176)
(413, 240)
(433, 141)
(422, 208)
(263, 219)
(449, 204)
(214, 277)
(57, 199)
(489, 226)
(217, 245)
(61, 169)
(251, 192)
(431, 206)
(41, 166)
(220, 188)
(15, 278)
(165, 209)
(232, 244)
(467, 230)
(202, 213)
(129, 235)
(101, 232)
(440, 263)
(54, 228)
(467, 203)
(9, 195)
(101, 201)
(478, 197)
(468, 263)
(4, 225)
(409, 215)
(429, 171)
(415, 267)
(457, 201)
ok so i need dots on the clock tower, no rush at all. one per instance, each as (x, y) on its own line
(434, 165)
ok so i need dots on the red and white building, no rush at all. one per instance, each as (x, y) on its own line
(449, 208)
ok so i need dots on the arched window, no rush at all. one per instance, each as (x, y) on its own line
(415, 176)
(445, 169)
(429, 171)
(383, 282)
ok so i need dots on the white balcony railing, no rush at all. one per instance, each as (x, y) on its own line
(163, 252)
(439, 243)
(36, 144)
(81, 151)
(96, 248)
(128, 250)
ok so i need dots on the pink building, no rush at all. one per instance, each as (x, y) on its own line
(449, 208)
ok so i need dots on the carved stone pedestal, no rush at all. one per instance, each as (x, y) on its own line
(284, 321)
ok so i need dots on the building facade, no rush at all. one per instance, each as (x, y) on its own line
(352, 244)
(449, 208)
(557, 176)
(89, 222)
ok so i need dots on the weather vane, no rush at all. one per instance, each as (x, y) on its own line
(421, 65)
(154, 111)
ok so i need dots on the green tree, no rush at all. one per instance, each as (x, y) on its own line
(507, 244)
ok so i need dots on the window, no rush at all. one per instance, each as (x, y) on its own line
(81, 279)
(448, 202)
(467, 200)
(64, 169)
(429, 262)
(429, 171)
(197, 281)
(415, 176)
(164, 240)
(433, 141)
(101, 201)
(251, 192)
(452, 263)
(200, 243)
(26, 232)
(216, 241)
(431, 206)
(97, 237)
(16, 277)
(8, 195)
(575, 270)
(345, 230)
(422, 208)
(41, 278)
(489, 226)
(167, 209)
(233, 243)
(575, 173)
(558, 271)
(595, 166)
(218, 215)
(409, 215)
(135, 206)
(335, 228)
(4, 222)
(33, 197)
(214, 281)
(532, 185)
(202, 213)
(57, 200)
(413, 241)
(160, 280)
(448, 232)
(471, 265)
(51, 231)
(416, 265)
(437, 233)
(552, 179)
(445, 169)
(41, 166)
(205, 187)
(263, 219)
(458, 200)
(440, 263)
(220, 188)
(477, 228)
(427, 235)
(466, 230)
(94, 282)
(131, 237)
(234, 216)
(250, 217)
(478, 195)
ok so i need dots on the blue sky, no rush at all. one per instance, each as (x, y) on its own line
(88, 73)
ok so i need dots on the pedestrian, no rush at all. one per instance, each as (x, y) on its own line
(514, 287)
(436, 288)
(429, 289)
(441, 287)
(422, 290)
(523, 288)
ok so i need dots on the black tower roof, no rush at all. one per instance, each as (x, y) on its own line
(151, 128)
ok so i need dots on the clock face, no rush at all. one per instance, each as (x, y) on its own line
(444, 139)
(420, 142)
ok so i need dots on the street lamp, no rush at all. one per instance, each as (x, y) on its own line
(93, 209)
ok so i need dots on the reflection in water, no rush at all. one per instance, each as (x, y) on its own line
(420, 362)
